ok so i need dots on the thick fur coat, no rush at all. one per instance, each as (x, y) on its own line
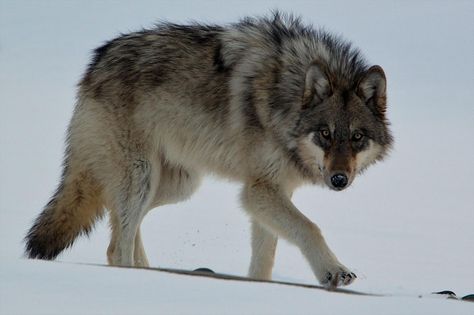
(268, 102)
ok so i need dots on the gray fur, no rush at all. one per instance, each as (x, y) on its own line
(158, 109)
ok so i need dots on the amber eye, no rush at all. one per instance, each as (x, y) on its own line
(357, 136)
(325, 133)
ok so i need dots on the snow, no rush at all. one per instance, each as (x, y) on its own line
(405, 226)
(77, 289)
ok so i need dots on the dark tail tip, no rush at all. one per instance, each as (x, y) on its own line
(71, 212)
(42, 245)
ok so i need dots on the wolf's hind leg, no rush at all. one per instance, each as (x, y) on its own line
(263, 252)
(168, 184)
(139, 254)
(112, 257)
(131, 200)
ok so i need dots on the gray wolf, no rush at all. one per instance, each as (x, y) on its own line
(268, 102)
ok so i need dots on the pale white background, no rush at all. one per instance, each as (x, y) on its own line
(405, 226)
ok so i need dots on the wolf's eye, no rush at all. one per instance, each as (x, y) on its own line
(357, 136)
(325, 134)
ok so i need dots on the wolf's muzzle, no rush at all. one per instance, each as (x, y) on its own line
(339, 181)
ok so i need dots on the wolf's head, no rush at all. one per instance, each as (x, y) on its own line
(343, 127)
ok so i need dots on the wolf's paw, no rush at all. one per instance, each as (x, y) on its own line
(338, 276)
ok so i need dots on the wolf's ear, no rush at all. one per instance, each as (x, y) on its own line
(317, 86)
(372, 89)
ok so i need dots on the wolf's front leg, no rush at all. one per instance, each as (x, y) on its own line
(269, 206)
(263, 252)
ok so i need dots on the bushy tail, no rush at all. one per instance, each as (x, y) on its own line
(72, 211)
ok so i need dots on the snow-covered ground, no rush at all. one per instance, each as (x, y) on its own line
(405, 226)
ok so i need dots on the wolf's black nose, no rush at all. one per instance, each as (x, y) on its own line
(339, 180)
